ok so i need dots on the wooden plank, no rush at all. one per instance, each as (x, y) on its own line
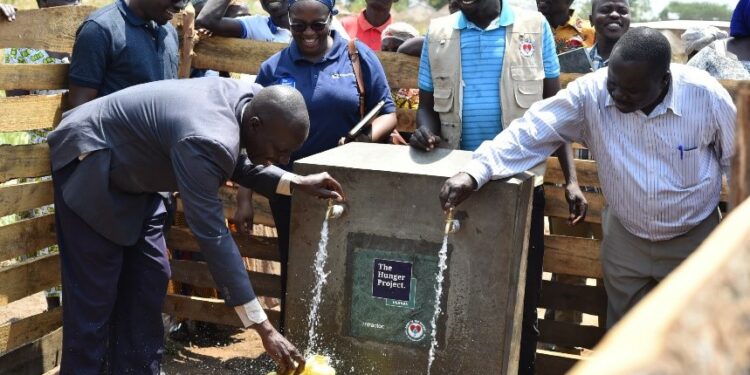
(733, 87)
(197, 274)
(228, 196)
(22, 197)
(39, 357)
(566, 78)
(741, 157)
(401, 70)
(586, 299)
(261, 207)
(29, 277)
(586, 170)
(208, 310)
(30, 112)
(232, 54)
(569, 335)
(557, 206)
(246, 56)
(34, 76)
(695, 321)
(180, 238)
(24, 161)
(572, 256)
(21, 332)
(27, 236)
(52, 29)
(407, 120)
(555, 363)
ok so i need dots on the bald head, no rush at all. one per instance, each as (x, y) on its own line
(282, 103)
(644, 45)
(275, 124)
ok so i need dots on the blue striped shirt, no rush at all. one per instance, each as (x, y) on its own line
(482, 52)
(661, 173)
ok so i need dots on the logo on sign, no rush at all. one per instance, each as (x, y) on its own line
(391, 279)
(415, 330)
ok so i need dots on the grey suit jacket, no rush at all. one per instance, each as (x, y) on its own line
(176, 135)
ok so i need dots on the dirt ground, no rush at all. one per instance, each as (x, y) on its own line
(229, 351)
(224, 351)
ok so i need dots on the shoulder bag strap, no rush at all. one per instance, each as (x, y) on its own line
(357, 68)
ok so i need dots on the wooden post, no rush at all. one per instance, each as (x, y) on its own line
(185, 24)
(740, 182)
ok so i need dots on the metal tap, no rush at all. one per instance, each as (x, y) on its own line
(451, 225)
(334, 210)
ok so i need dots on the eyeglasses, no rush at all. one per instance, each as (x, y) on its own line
(317, 26)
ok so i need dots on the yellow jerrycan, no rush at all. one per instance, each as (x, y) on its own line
(315, 365)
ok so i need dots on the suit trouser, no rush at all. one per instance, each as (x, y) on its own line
(113, 294)
(535, 257)
(633, 266)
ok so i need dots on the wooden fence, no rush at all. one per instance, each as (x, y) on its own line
(32, 345)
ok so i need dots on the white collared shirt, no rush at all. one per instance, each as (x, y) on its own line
(661, 173)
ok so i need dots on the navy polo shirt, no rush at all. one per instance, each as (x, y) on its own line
(115, 49)
(330, 90)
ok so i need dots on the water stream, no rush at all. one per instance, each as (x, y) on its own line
(439, 277)
(320, 279)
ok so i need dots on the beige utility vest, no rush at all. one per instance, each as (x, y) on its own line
(521, 80)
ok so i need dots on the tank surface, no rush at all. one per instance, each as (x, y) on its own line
(383, 257)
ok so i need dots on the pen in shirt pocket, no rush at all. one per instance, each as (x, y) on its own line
(683, 150)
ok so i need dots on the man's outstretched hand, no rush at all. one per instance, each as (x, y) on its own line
(286, 356)
(456, 189)
(321, 185)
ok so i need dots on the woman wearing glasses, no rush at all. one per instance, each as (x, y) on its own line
(273, 27)
(317, 63)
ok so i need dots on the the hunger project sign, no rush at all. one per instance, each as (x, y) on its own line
(391, 279)
(393, 295)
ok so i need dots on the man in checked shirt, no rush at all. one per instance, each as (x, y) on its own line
(663, 136)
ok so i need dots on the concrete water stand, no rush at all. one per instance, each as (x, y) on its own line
(383, 254)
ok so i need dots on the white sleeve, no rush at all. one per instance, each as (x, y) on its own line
(530, 139)
(285, 184)
(251, 313)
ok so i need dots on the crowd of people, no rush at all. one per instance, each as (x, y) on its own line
(489, 83)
